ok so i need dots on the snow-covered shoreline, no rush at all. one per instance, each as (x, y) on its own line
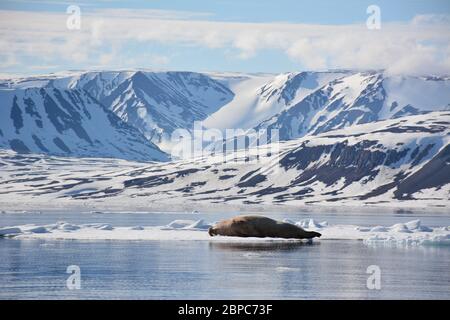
(111, 205)
(364, 172)
(410, 233)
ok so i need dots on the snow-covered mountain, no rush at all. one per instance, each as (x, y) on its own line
(258, 97)
(395, 162)
(156, 103)
(69, 123)
(159, 103)
(298, 104)
(308, 103)
(358, 98)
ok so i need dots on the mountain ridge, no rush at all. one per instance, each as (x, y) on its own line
(295, 103)
(394, 162)
(68, 123)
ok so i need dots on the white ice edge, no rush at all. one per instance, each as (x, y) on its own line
(410, 233)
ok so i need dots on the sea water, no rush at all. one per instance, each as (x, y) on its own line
(38, 269)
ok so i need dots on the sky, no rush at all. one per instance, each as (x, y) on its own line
(403, 36)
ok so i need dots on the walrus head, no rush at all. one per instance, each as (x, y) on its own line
(212, 231)
(314, 234)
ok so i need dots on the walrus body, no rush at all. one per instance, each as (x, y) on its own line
(261, 227)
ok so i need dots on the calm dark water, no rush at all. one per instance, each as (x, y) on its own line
(36, 269)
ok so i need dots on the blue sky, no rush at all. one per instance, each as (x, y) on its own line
(223, 35)
(296, 11)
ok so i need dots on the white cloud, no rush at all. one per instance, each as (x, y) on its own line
(421, 46)
(158, 60)
(152, 14)
(427, 19)
(7, 59)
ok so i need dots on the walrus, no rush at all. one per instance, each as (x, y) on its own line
(261, 227)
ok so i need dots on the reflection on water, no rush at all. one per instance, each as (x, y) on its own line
(36, 269)
(262, 246)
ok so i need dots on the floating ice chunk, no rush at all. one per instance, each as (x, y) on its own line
(91, 225)
(425, 229)
(188, 224)
(413, 225)
(309, 224)
(398, 234)
(66, 226)
(9, 231)
(303, 223)
(200, 224)
(37, 229)
(178, 224)
(195, 211)
(69, 227)
(416, 225)
(379, 229)
(400, 227)
(106, 227)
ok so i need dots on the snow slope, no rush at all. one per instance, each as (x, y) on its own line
(155, 103)
(359, 98)
(397, 162)
(259, 97)
(70, 123)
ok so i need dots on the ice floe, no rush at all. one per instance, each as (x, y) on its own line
(311, 224)
(410, 233)
(9, 231)
(37, 229)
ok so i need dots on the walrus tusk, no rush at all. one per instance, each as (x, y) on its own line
(261, 227)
